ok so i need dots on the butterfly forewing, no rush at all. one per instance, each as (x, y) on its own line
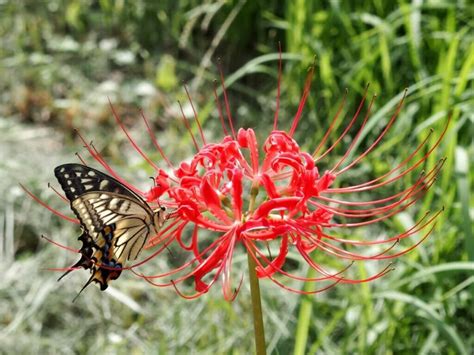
(77, 179)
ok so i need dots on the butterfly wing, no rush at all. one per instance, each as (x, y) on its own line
(97, 210)
(116, 221)
(77, 179)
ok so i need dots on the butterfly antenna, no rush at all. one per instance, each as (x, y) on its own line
(83, 287)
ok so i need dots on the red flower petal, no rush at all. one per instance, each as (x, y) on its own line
(247, 139)
(269, 185)
(237, 176)
(281, 203)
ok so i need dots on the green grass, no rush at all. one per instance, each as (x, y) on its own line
(59, 62)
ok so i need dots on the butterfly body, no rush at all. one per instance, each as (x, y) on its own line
(116, 221)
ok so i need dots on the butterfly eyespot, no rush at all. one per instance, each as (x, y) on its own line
(163, 209)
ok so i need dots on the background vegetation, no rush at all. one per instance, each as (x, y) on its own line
(60, 61)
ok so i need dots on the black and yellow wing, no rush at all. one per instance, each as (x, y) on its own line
(116, 222)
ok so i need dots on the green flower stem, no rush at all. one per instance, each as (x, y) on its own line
(259, 332)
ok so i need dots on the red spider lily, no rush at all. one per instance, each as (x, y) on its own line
(272, 200)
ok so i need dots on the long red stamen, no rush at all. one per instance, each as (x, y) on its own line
(331, 125)
(356, 138)
(277, 109)
(257, 261)
(195, 116)
(60, 195)
(379, 138)
(398, 167)
(188, 127)
(219, 109)
(305, 95)
(49, 208)
(361, 187)
(62, 269)
(326, 276)
(62, 246)
(226, 101)
(344, 254)
(180, 279)
(349, 126)
(179, 232)
(367, 186)
(416, 191)
(227, 271)
(130, 139)
(359, 203)
(154, 140)
(162, 234)
(392, 212)
(189, 297)
(423, 179)
(197, 258)
(381, 273)
(421, 224)
(96, 155)
(152, 256)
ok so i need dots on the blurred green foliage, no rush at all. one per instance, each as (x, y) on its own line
(60, 61)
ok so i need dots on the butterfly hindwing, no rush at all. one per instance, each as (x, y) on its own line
(96, 210)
